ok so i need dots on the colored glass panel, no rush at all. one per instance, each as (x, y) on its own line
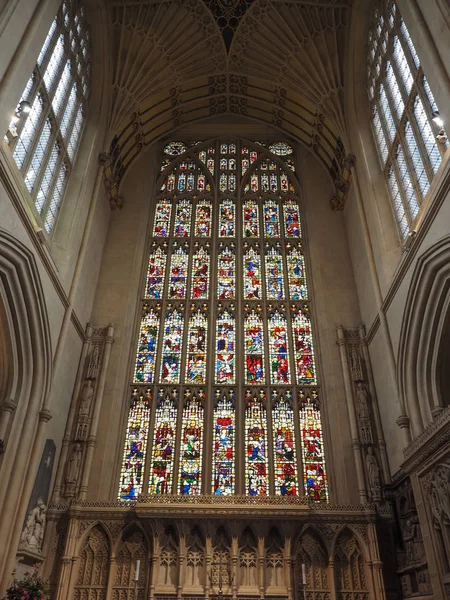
(181, 181)
(171, 183)
(155, 273)
(134, 454)
(223, 448)
(291, 219)
(201, 183)
(183, 219)
(232, 182)
(256, 465)
(285, 463)
(191, 449)
(178, 273)
(226, 277)
(284, 183)
(171, 350)
(232, 149)
(271, 219)
(210, 165)
(274, 274)
(273, 183)
(144, 371)
(223, 149)
(254, 182)
(225, 348)
(196, 356)
(303, 349)
(190, 182)
(314, 472)
(296, 275)
(232, 164)
(245, 165)
(278, 349)
(200, 274)
(161, 470)
(252, 274)
(254, 349)
(203, 219)
(280, 148)
(227, 219)
(264, 182)
(223, 182)
(162, 218)
(223, 164)
(251, 218)
(175, 148)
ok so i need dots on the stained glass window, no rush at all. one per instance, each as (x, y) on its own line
(252, 274)
(225, 347)
(200, 273)
(274, 274)
(196, 351)
(404, 115)
(227, 218)
(284, 449)
(291, 219)
(162, 218)
(223, 460)
(271, 219)
(171, 350)
(182, 226)
(203, 219)
(44, 141)
(254, 348)
(191, 449)
(163, 451)
(256, 461)
(226, 277)
(296, 274)
(314, 472)
(278, 349)
(225, 305)
(155, 273)
(132, 472)
(144, 370)
(178, 272)
(303, 348)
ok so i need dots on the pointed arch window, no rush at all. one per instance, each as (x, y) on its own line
(407, 128)
(44, 141)
(226, 348)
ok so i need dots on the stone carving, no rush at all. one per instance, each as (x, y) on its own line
(94, 363)
(412, 542)
(363, 414)
(437, 487)
(73, 470)
(86, 399)
(356, 366)
(33, 533)
(373, 475)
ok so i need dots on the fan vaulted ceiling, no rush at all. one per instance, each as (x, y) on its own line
(178, 61)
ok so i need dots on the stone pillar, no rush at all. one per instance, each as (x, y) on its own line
(234, 572)
(181, 565)
(155, 562)
(92, 441)
(261, 559)
(352, 417)
(208, 561)
(288, 568)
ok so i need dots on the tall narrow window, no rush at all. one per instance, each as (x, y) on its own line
(406, 123)
(44, 141)
(226, 357)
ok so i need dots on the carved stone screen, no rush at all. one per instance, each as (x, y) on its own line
(225, 397)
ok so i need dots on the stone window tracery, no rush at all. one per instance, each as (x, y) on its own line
(225, 356)
(405, 118)
(44, 142)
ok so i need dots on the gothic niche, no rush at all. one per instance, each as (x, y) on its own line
(195, 573)
(132, 549)
(166, 579)
(311, 552)
(92, 577)
(220, 573)
(248, 544)
(437, 488)
(349, 568)
(413, 571)
(274, 571)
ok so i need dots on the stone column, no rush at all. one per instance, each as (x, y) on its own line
(288, 568)
(234, 572)
(352, 417)
(208, 561)
(68, 562)
(261, 567)
(155, 561)
(181, 564)
(92, 441)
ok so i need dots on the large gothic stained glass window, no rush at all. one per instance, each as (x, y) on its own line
(407, 128)
(225, 393)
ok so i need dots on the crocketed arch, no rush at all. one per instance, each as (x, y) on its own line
(350, 567)
(424, 335)
(133, 546)
(28, 336)
(311, 551)
(93, 568)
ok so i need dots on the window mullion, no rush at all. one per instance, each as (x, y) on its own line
(43, 166)
(37, 135)
(55, 175)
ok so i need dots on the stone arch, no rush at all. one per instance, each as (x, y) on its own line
(168, 559)
(312, 551)
(132, 546)
(350, 571)
(248, 561)
(274, 561)
(425, 336)
(26, 378)
(93, 567)
(195, 577)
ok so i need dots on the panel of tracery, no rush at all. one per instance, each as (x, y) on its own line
(407, 127)
(132, 549)
(350, 569)
(93, 567)
(226, 336)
